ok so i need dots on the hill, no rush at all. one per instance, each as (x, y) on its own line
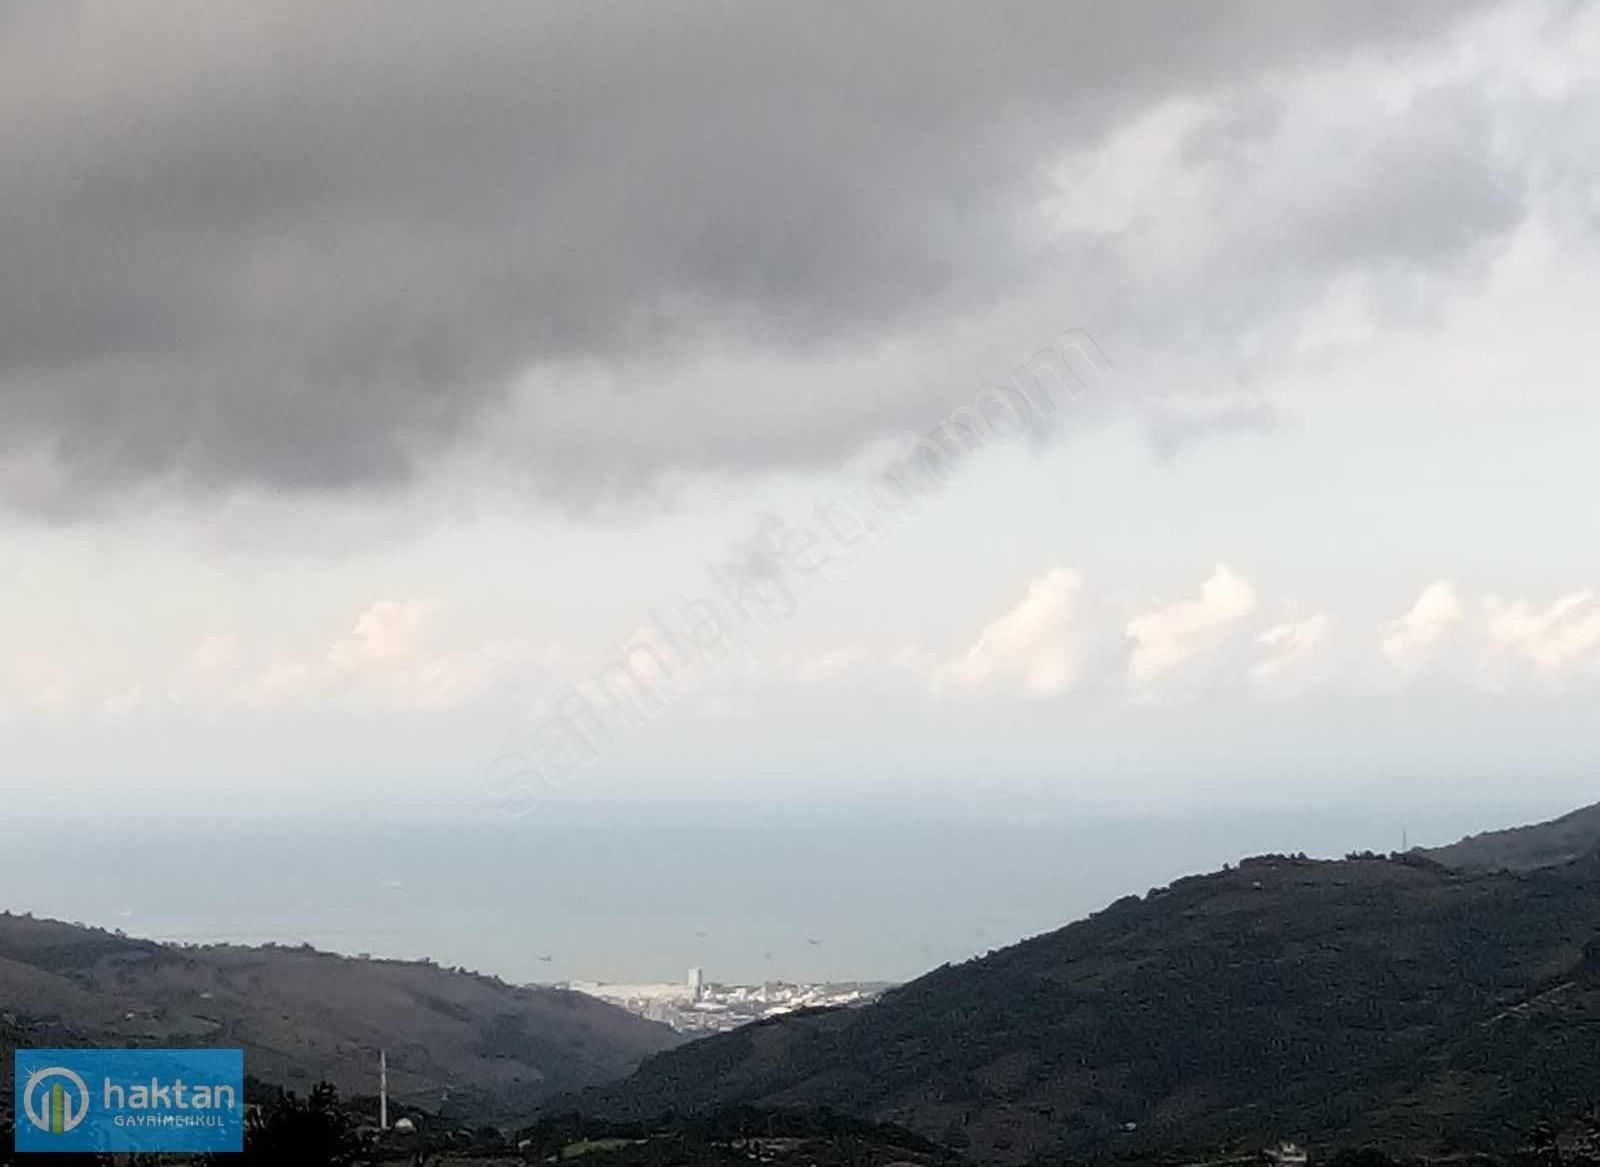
(733, 1136)
(303, 1016)
(1547, 844)
(1391, 1000)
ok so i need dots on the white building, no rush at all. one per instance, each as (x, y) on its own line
(1287, 1155)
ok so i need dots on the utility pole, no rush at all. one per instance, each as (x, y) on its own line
(383, 1090)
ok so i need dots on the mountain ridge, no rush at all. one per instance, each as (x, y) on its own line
(1546, 844)
(1283, 997)
(303, 1016)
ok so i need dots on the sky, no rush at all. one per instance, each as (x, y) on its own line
(523, 415)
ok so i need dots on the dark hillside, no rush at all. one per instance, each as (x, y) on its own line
(1286, 996)
(1547, 844)
(304, 1016)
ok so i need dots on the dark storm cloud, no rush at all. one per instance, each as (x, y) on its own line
(307, 245)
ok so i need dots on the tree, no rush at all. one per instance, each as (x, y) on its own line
(315, 1132)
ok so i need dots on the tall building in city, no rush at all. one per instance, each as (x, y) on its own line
(697, 982)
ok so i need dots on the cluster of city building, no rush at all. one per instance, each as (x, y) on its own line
(696, 1005)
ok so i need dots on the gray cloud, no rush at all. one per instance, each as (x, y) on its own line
(307, 247)
(1172, 430)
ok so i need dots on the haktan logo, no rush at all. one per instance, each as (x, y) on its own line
(151, 1100)
(58, 1115)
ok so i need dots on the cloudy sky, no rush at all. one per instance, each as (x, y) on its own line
(374, 377)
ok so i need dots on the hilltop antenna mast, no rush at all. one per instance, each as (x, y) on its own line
(383, 1090)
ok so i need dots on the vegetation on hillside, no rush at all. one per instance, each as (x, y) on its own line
(1526, 848)
(1385, 1000)
(1383, 1010)
(323, 1130)
(457, 1039)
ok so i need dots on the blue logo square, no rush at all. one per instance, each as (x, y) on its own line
(129, 1100)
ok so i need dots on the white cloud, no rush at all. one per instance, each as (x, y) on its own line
(1555, 641)
(125, 703)
(41, 682)
(1165, 638)
(452, 679)
(1034, 644)
(389, 655)
(1497, 641)
(1135, 174)
(387, 636)
(826, 665)
(1294, 652)
(1413, 639)
(916, 660)
(282, 681)
(213, 655)
(404, 654)
(724, 706)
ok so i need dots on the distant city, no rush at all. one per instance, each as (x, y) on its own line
(696, 1005)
